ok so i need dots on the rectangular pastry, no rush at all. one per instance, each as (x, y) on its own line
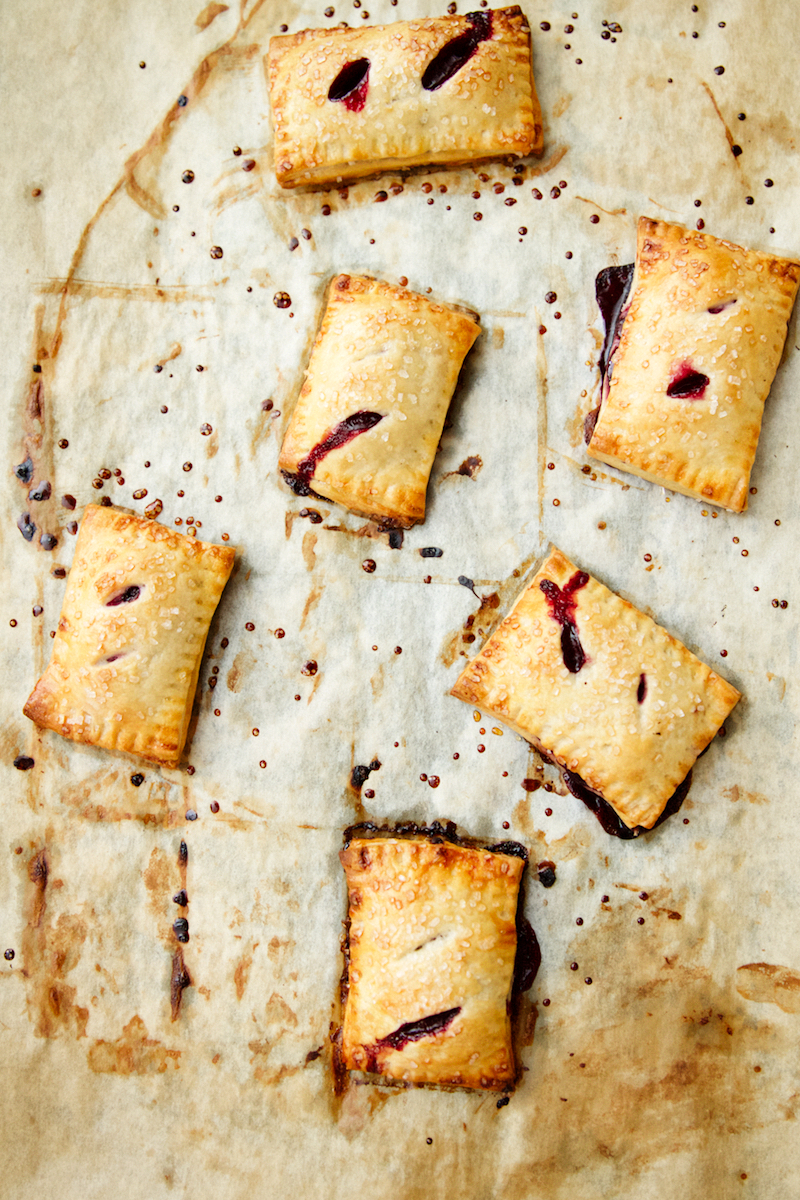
(133, 625)
(689, 362)
(366, 427)
(432, 945)
(601, 689)
(353, 102)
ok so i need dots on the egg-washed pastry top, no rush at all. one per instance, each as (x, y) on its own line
(601, 688)
(366, 427)
(432, 943)
(698, 348)
(353, 102)
(133, 625)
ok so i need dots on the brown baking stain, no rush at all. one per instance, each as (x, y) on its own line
(470, 467)
(611, 212)
(209, 13)
(764, 983)
(309, 542)
(277, 948)
(561, 105)
(553, 161)
(728, 134)
(242, 665)
(498, 337)
(50, 950)
(259, 428)
(735, 793)
(180, 979)
(312, 600)
(108, 796)
(133, 1053)
(174, 351)
(377, 682)
(278, 1012)
(241, 972)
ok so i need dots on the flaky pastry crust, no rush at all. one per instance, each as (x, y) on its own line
(432, 937)
(630, 722)
(385, 351)
(487, 109)
(133, 625)
(699, 305)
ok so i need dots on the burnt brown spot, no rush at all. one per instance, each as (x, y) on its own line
(179, 981)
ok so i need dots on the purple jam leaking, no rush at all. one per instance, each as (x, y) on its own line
(457, 51)
(718, 308)
(686, 383)
(351, 85)
(562, 609)
(641, 690)
(606, 815)
(612, 288)
(359, 422)
(412, 1031)
(131, 593)
(529, 956)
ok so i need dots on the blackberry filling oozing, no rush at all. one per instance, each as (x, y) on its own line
(359, 422)
(412, 1031)
(562, 609)
(641, 690)
(351, 85)
(606, 815)
(131, 593)
(457, 51)
(612, 288)
(686, 383)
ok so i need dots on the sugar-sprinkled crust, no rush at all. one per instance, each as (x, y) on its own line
(432, 937)
(388, 352)
(704, 305)
(125, 663)
(487, 109)
(634, 752)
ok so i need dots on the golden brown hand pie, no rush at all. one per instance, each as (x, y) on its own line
(600, 688)
(697, 353)
(432, 944)
(130, 638)
(366, 427)
(353, 102)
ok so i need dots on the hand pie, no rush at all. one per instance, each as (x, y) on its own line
(432, 945)
(688, 363)
(366, 427)
(353, 102)
(603, 691)
(130, 638)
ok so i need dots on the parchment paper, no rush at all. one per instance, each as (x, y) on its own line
(675, 1071)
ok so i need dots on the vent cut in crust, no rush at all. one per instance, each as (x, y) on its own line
(432, 945)
(599, 687)
(134, 622)
(366, 427)
(697, 353)
(353, 102)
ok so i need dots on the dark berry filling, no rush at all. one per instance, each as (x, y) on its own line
(686, 383)
(351, 85)
(457, 51)
(515, 849)
(641, 690)
(606, 815)
(412, 1031)
(718, 308)
(562, 609)
(26, 526)
(359, 422)
(529, 956)
(131, 593)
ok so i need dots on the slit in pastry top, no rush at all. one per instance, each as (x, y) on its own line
(340, 435)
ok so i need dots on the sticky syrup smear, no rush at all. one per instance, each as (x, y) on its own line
(562, 609)
(351, 85)
(612, 288)
(457, 51)
(359, 422)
